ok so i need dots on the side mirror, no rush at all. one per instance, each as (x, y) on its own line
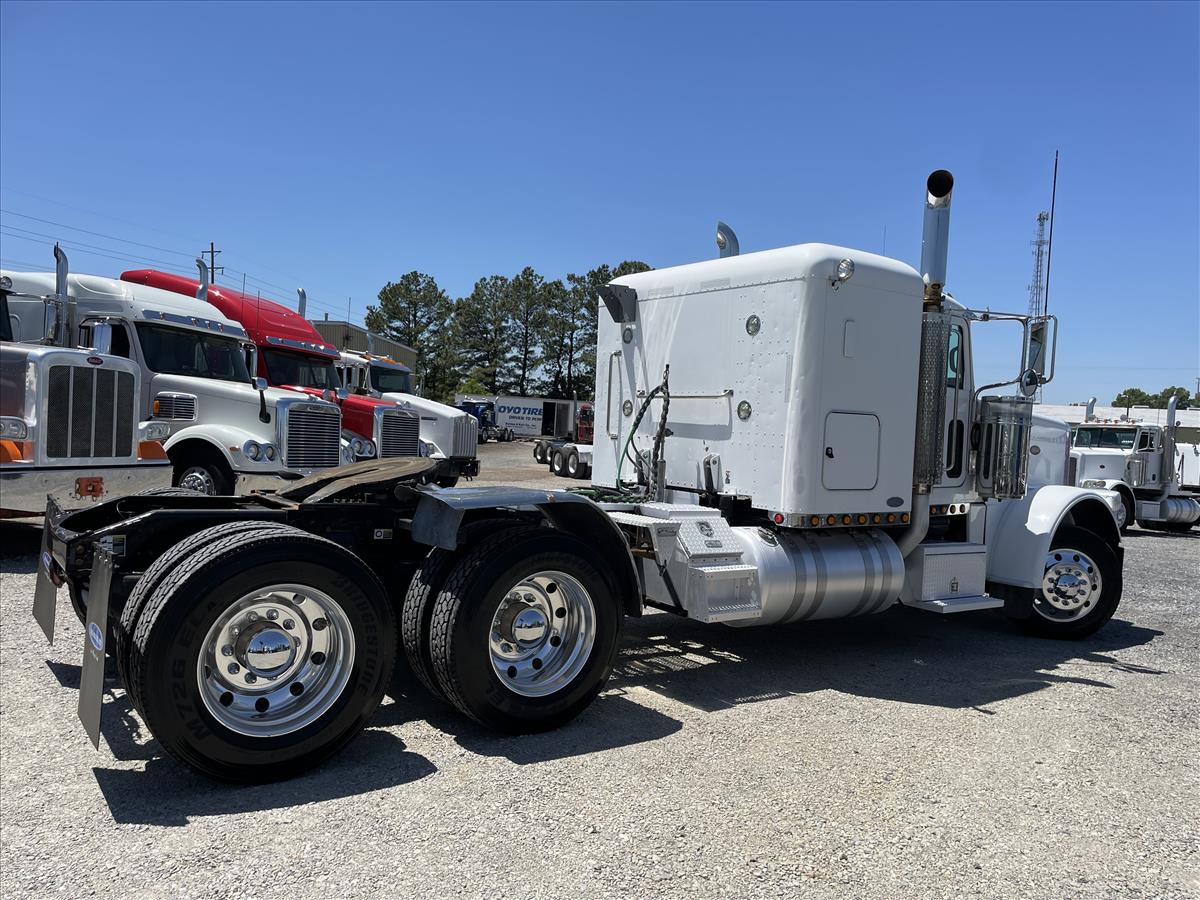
(1039, 348)
(260, 384)
(50, 324)
(251, 357)
(102, 335)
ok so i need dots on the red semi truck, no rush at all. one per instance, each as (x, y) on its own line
(292, 354)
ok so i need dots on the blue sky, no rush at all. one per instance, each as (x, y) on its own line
(339, 146)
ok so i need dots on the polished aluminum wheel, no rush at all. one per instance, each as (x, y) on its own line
(275, 660)
(542, 634)
(198, 478)
(1071, 587)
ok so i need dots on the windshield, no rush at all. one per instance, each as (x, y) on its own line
(1109, 438)
(286, 367)
(387, 380)
(180, 351)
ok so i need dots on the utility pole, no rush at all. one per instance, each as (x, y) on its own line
(213, 268)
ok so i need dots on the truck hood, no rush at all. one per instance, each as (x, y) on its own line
(426, 409)
(232, 391)
(1099, 464)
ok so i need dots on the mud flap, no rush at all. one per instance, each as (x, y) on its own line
(91, 679)
(45, 593)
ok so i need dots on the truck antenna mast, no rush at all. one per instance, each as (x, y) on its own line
(1050, 242)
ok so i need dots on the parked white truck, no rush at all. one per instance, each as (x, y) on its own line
(227, 431)
(448, 435)
(1144, 464)
(782, 436)
(69, 426)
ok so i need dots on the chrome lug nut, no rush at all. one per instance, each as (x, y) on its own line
(234, 668)
(227, 650)
(289, 624)
(253, 617)
(272, 614)
(251, 678)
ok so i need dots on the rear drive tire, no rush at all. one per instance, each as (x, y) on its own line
(572, 466)
(539, 452)
(1081, 587)
(423, 590)
(525, 631)
(262, 656)
(558, 463)
(158, 570)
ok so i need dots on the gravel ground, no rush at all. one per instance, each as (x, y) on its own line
(898, 755)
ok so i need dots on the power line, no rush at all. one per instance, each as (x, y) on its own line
(111, 237)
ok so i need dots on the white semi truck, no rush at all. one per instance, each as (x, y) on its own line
(69, 426)
(228, 432)
(1144, 464)
(447, 435)
(781, 436)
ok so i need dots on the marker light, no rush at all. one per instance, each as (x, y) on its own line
(778, 518)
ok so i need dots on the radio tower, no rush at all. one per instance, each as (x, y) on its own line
(1037, 287)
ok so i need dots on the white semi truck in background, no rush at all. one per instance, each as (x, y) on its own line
(1143, 463)
(781, 436)
(69, 426)
(448, 435)
(227, 432)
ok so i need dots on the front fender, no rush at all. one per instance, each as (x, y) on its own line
(439, 515)
(1019, 532)
(221, 438)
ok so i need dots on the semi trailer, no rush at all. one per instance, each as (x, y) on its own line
(227, 432)
(291, 354)
(1144, 464)
(570, 458)
(69, 426)
(782, 436)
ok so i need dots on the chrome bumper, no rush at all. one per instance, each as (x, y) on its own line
(23, 489)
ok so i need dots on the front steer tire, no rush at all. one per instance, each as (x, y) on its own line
(165, 662)
(1078, 547)
(463, 627)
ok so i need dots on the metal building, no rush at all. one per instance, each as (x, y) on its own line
(348, 336)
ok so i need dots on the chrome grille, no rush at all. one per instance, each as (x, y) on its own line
(466, 436)
(90, 413)
(398, 433)
(175, 406)
(312, 436)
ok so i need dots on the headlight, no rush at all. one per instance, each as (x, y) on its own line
(422, 448)
(356, 447)
(1091, 483)
(155, 431)
(347, 453)
(13, 428)
(368, 448)
(252, 450)
(269, 451)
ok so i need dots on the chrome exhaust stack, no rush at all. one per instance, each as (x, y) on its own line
(202, 291)
(935, 237)
(303, 302)
(56, 329)
(1091, 410)
(931, 373)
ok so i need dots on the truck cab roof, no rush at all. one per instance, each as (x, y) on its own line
(268, 324)
(367, 359)
(108, 296)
